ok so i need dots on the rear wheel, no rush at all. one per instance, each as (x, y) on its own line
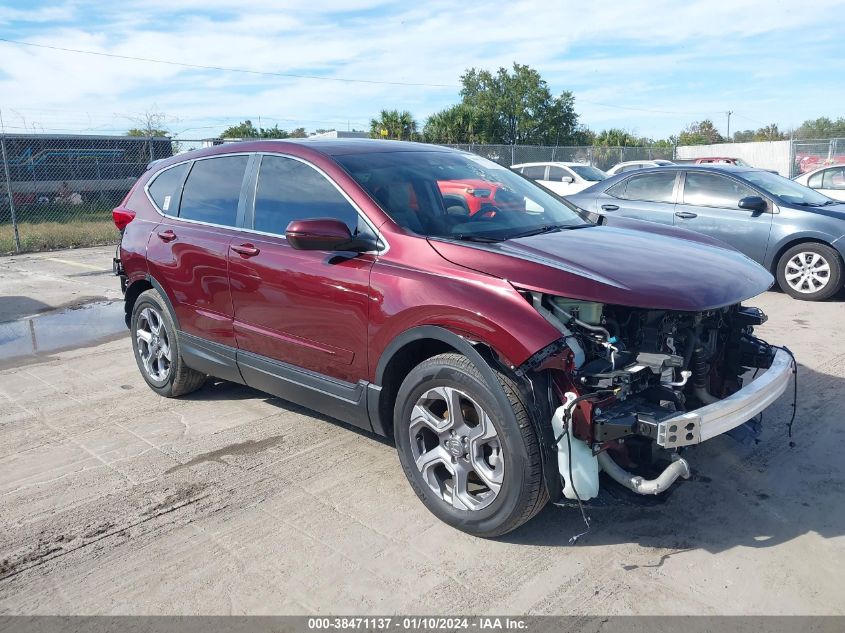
(156, 348)
(473, 465)
(810, 271)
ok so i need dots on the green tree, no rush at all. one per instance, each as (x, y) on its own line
(769, 133)
(700, 133)
(582, 136)
(743, 136)
(615, 137)
(394, 124)
(821, 128)
(150, 124)
(456, 124)
(518, 107)
(248, 130)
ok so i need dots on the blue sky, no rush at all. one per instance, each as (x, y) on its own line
(650, 67)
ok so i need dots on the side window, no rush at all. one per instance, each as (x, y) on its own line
(212, 190)
(713, 190)
(648, 187)
(535, 172)
(291, 190)
(556, 173)
(834, 178)
(166, 187)
(815, 181)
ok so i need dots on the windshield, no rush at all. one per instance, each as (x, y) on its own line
(458, 195)
(588, 172)
(787, 190)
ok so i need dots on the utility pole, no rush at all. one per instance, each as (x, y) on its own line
(729, 113)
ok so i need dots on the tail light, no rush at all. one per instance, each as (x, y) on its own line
(122, 217)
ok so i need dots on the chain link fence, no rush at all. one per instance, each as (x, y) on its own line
(601, 157)
(810, 155)
(57, 191)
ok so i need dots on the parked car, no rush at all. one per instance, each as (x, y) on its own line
(829, 181)
(509, 356)
(561, 178)
(470, 196)
(810, 162)
(793, 231)
(633, 165)
(712, 160)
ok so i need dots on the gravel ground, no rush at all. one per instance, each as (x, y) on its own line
(116, 501)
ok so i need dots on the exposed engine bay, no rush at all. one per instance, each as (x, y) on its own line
(629, 381)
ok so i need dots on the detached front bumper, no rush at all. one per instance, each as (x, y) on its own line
(694, 427)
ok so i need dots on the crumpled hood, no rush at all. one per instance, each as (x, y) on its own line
(626, 262)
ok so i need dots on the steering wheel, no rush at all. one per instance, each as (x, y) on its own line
(485, 213)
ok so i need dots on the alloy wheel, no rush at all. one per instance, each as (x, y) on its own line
(807, 272)
(153, 344)
(456, 448)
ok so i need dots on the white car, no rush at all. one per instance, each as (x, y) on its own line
(829, 181)
(633, 165)
(561, 178)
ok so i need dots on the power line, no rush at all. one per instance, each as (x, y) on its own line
(224, 68)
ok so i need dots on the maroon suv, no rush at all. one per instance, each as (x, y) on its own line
(512, 355)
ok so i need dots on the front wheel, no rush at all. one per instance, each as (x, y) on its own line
(810, 271)
(473, 465)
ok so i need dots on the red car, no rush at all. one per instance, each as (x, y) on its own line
(472, 195)
(511, 356)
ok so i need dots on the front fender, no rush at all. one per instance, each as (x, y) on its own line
(502, 320)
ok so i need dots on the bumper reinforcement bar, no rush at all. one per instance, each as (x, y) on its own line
(694, 427)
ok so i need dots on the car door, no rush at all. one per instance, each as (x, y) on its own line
(537, 173)
(709, 205)
(562, 181)
(646, 195)
(830, 182)
(188, 252)
(306, 309)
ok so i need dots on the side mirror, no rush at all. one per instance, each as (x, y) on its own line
(752, 203)
(322, 234)
(567, 179)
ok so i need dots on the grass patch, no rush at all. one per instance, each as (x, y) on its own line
(47, 236)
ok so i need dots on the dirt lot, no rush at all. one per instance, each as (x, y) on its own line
(116, 501)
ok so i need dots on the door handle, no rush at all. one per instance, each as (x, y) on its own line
(167, 236)
(686, 214)
(247, 250)
(610, 207)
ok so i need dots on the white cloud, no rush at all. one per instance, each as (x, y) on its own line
(693, 57)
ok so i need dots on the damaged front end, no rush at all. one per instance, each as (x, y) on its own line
(634, 388)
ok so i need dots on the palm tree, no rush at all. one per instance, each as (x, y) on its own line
(394, 124)
(454, 125)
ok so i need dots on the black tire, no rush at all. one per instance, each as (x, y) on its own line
(831, 258)
(180, 378)
(522, 493)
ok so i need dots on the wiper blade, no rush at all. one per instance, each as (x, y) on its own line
(466, 237)
(549, 228)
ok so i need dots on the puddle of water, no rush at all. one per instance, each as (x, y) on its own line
(43, 334)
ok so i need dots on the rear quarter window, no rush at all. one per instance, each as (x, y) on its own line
(166, 188)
